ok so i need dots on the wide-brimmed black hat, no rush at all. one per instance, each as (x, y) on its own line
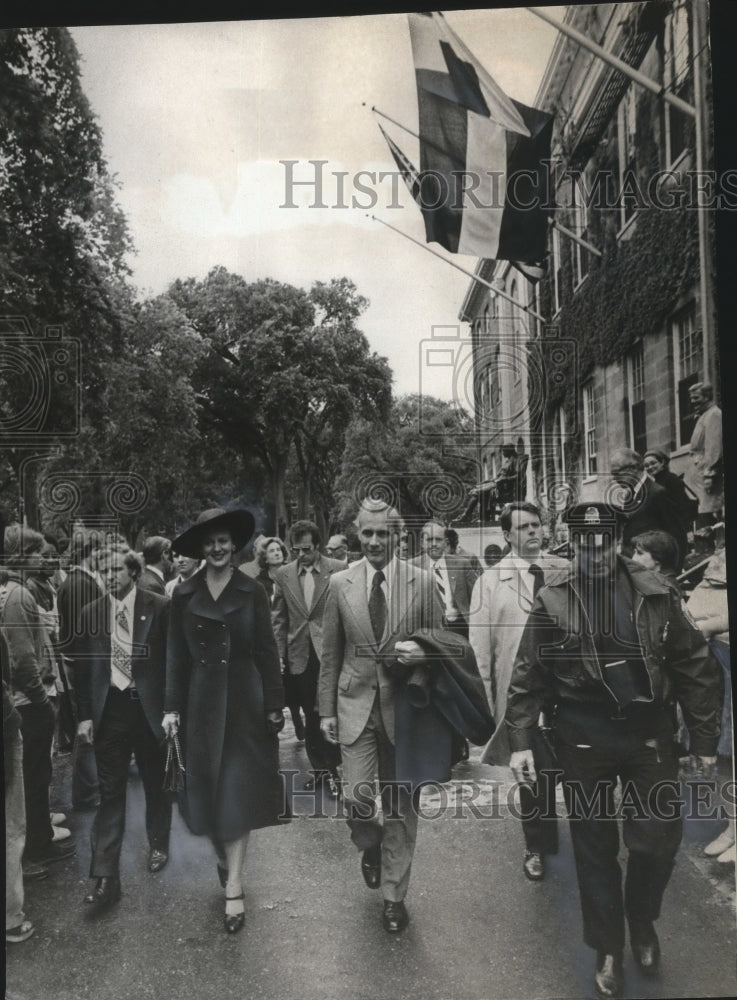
(240, 524)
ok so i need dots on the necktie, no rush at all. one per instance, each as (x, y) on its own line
(121, 658)
(377, 606)
(308, 587)
(538, 578)
(439, 582)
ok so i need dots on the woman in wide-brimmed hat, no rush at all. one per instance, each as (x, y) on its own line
(224, 693)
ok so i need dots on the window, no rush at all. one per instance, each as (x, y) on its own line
(557, 272)
(487, 324)
(678, 79)
(559, 444)
(627, 127)
(589, 430)
(688, 355)
(580, 227)
(637, 428)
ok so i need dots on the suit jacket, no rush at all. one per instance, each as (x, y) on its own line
(354, 666)
(651, 510)
(501, 605)
(92, 654)
(462, 575)
(152, 582)
(78, 589)
(294, 624)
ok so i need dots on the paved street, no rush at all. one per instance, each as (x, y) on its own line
(479, 930)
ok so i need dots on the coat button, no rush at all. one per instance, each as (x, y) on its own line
(223, 661)
(202, 661)
(199, 626)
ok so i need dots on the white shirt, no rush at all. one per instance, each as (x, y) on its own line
(117, 677)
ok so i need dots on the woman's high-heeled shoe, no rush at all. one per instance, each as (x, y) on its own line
(233, 922)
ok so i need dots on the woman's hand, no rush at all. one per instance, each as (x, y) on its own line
(170, 724)
(274, 722)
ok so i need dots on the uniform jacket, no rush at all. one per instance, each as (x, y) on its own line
(557, 660)
(223, 676)
(294, 625)
(353, 665)
(501, 606)
(92, 654)
(462, 575)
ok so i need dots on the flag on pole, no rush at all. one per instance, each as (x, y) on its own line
(482, 184)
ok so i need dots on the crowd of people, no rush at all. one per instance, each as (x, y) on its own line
(597, 662)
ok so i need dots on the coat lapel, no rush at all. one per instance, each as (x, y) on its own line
(143, 614)
(402, 597)
(321, 583)
(292, 582)
(355, 595)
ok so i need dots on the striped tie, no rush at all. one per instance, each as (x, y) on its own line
(121, 658)
(439, 582)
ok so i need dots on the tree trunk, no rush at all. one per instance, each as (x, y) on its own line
(278, 479)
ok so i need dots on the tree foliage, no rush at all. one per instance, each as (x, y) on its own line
(420, 459)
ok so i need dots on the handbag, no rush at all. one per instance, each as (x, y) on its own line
(174, 772)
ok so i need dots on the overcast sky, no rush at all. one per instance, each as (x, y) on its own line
(196, 118)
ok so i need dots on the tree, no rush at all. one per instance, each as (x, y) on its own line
(281, 368)
(63, 240)
(420, 459)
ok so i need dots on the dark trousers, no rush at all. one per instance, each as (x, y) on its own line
(124, 730)
(650, 836)
(37, 728)
(537, 802)
(323, 756)
(84, 768)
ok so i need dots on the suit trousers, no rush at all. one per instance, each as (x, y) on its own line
(651, 826)
(123, 730)
(370, 756)
(37, 727)
(537, 802)
(323, 756)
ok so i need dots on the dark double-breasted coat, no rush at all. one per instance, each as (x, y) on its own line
(223, 675)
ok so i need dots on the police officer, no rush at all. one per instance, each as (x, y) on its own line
(608, 644)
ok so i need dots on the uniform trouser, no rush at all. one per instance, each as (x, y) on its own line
(370, 756)
(37, 727)
(15, 830)
(537, 802)
(123, 730)
(651, 826)
(323, 756)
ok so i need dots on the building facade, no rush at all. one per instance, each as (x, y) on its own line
(626, 327)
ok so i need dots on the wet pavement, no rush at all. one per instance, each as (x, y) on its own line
(479, 930)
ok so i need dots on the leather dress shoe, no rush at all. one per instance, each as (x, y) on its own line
(331, 786)
(105, 893)
(395, 917)
(371, 867)
(645, 947)
(157, 859)
(534, 866)
(609, 978)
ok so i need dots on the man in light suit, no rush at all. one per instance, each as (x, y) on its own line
(119, 680)
(373, 609)
(501, 604)
(454, 575)
(299, 603)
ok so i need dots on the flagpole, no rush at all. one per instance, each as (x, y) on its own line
(409, 131)
(482, 281)
(645, 81)
(576, 239)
